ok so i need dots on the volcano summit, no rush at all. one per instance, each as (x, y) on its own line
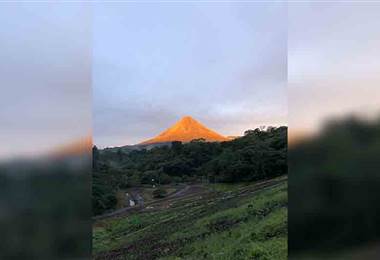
(185, 130)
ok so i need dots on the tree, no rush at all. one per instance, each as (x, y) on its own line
(119, 154)
(199, 140)
(259, 154)
(177, 146)
(95, 157)
(159, 193)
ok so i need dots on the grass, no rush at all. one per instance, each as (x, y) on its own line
(228, 187)
(146, 193)
(235, 224)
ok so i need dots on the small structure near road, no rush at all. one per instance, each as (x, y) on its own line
(139, 200)
(133, 199)
(130, 200)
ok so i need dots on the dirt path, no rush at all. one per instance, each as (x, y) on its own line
(200, 200)
(182, 192)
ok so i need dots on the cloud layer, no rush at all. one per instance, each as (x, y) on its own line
(222, 63)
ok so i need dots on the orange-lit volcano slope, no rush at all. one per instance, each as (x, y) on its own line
(185, 130)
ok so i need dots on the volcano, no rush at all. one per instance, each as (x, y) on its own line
(186, 130)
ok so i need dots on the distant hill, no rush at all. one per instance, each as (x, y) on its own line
(137, 147)
(230, 137)
(186, 130)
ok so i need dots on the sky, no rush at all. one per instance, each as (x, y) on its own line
(224, 64)
(127, 71)
(333, 63)
(45, 70)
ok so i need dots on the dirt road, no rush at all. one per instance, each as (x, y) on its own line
(183, 193)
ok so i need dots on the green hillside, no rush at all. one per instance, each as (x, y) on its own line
(225, 221)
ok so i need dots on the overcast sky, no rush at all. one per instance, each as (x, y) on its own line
(224, 64)
(334, 62)
(149, 64)
(45, 71)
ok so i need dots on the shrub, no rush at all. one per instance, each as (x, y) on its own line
(159, 193)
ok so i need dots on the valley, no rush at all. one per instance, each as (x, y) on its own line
(191, 193)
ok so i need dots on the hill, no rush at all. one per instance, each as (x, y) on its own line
(255, 156)
(186, 130)
(218, 200)
(235, 221)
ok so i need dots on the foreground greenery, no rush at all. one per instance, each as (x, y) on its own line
(245, 222)
(259, 154)
(44, 209)
(337, 173)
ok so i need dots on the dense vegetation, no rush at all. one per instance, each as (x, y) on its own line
(45, 210)
(236, 222)
(334, 188)
(259, 154)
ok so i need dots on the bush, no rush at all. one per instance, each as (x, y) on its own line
(165, 179)
(159, 193)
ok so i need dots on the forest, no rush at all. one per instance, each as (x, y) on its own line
(334, 187)
(259, 154)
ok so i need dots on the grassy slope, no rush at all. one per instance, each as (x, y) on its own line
(223, 225)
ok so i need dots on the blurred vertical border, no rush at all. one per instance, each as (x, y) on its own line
(45, 133)
(334, 130)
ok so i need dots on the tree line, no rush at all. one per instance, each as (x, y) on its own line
(259, 154)
(334, 187)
